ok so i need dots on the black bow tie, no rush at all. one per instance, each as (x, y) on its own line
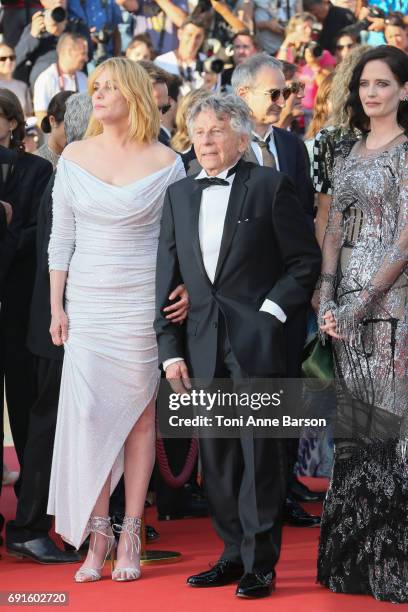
(210, 181)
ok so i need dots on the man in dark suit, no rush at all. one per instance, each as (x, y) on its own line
(23, 183)
(236, 236)
(27, 535)
(261, 83)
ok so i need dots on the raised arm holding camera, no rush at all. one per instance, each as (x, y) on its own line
(36, 49)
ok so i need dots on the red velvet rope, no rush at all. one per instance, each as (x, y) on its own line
(170, 479)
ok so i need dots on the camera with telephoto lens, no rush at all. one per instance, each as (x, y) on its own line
(103, 37)
(57, 14)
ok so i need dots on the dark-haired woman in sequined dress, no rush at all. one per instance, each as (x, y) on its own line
(364, 308)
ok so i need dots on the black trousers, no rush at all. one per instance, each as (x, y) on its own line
(17, 375)
(245, 479)
(32, 520)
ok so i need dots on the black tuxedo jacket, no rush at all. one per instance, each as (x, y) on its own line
(267, 251)
(293, 161)
(7, 158)
(25, 184)
(39, 339)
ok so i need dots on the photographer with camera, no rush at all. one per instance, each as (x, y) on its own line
(186, 61)
(244, 45)
(332, 18)
(36, 49)
(64, 75)
(101, 18)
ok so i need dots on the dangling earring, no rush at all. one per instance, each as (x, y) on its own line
(11, 135)
(405, 99)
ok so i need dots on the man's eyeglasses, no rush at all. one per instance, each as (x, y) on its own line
(275, 94)
(164, 109)
(4, 58)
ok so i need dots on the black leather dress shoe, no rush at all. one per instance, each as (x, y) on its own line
(302, 493)
(254, 586)
(293, 514)
(223, 572)
(41, 550)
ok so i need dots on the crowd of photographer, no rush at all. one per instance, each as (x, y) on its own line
(51, 45)
(48, 49)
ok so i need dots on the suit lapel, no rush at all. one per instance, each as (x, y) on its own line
(194, 207)
(281, 151)
(235, 206)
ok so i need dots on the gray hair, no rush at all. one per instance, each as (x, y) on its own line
(244, 74)
(77, 114)
(232, 106)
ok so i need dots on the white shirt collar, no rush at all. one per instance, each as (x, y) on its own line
(269, 132)
(221, 175)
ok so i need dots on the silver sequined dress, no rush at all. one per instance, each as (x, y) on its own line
(106, 237)
(364, 535)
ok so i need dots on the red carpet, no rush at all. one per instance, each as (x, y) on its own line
(162, 587)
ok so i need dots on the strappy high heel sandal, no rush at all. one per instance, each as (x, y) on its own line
(98, 525)
(131, 530)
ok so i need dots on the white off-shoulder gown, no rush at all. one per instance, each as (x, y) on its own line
(106, 237)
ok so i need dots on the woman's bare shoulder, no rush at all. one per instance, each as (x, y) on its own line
(164, 155)
(79, 150)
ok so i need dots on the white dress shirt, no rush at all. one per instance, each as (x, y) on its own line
(272, 146)
(48, 84)
(213, 210)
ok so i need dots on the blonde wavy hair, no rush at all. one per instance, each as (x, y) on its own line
(135, 85)
(340, 86)
(181, 140)
(297, 19)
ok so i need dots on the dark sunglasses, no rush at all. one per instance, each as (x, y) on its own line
(3, 58)
(275, 94)
(164, 109)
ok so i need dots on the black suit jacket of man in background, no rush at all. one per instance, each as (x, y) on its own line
(24, 185)
(265, 252)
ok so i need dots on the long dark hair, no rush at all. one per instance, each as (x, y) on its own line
(56, 109)
(397, 62)
(12, 109)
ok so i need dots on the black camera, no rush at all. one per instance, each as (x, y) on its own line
(151, 9)
(57, 14)
(103, 37)
(374, 12)
(315, 49)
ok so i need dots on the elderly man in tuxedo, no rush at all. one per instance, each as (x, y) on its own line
(237, 237)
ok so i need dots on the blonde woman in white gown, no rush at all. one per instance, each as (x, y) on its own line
(108, 197)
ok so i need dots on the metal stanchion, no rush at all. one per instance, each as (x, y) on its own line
(155, 556)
